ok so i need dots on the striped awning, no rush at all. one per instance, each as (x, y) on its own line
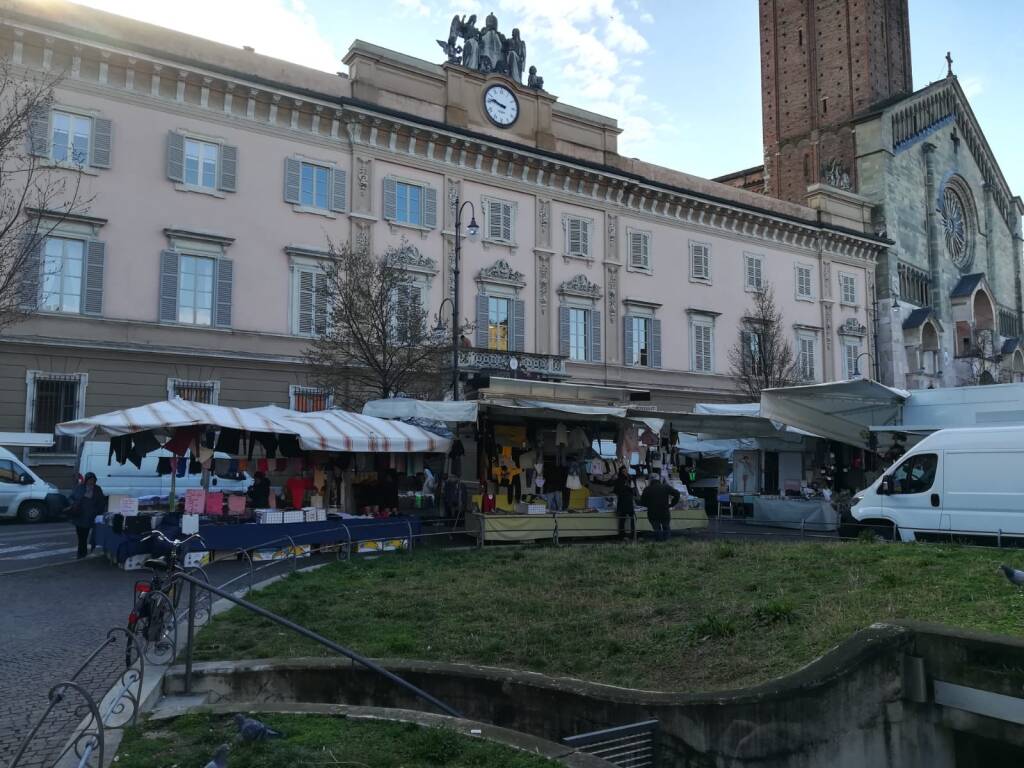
(318, 431)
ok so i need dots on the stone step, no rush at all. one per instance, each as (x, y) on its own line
(178, 704)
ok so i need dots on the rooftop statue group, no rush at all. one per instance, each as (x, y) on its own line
(487, 50)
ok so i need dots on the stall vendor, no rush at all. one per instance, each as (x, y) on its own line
(259, 491)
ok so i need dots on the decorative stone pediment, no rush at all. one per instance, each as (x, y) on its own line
(408, 256)
(501, 272)
(852, 327)
(580, 286)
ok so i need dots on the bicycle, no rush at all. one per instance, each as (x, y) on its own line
(154, 615)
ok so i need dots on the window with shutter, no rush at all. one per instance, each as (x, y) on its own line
(70, 138)
(638, 340)
(803, 282)
(852, 355)
(92, 302)
(579, 334)
(702, 344)
(753, 272)
(499, 216)
(63, 275)
(700, 261)
(100, 152)
(494, 220)
(577, 236)
(807, 355)
(305, 284)
(195, 289)
(847, 288)
(640, 250)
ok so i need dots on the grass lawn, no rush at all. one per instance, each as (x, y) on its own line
(312, 740)
(687, 616)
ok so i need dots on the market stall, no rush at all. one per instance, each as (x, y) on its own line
(320, 478)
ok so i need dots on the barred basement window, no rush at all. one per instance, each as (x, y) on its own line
(309, 399)
(54, 398)
(195, 391)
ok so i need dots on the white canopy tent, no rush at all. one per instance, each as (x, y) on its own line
(843, 410)
(435, 410)
(357, 433)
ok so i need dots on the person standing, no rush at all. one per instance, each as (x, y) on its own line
(87, 501)
(659, 498)
(625, 509)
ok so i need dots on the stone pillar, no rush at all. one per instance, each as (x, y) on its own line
(613, 336)
(542, 278)
(937, 298)
(990, 250)
(361, 215)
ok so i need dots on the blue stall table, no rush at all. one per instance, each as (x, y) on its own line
(129, 550)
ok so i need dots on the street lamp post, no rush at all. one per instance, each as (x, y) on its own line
(471, 229)
(856, 363)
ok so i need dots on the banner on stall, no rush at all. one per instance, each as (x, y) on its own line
(382, 545)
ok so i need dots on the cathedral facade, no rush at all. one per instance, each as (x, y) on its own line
(840, 110)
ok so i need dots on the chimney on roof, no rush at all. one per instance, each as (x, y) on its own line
(248, 48)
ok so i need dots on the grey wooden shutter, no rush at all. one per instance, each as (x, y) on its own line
(225, 277)
(595, 335)
(292, 180)
(31, 269)
(506, 222)
(175, 157)
(518, 325)
(654, 355)
(575, 237)
(482, 335)
(429, 207)
(92, 292)
(415, 313)
(627, 340)
(749, 363)
(39, 131)
(494, 221)
(305, 301)
(584, 238)
(228, 168)
(563, 331)
(169, 286)
(320, 310)
(390, 198)
(99, 152)
(400, 314)
(339, 189)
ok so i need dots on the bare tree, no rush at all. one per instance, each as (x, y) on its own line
(36, 195)
(762, 357)
(372, 338)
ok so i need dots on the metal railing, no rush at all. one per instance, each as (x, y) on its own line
(119, 708)
(629, 746)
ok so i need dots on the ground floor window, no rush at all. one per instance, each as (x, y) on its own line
(54, 398)
(195, 391)
(309, 399)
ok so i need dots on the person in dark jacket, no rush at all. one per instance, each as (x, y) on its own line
(87, 501)
(659, 498)
(259, 491)
(624, 507)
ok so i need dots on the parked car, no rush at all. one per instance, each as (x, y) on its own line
(129, 480)
(23, 494)
(968, 482)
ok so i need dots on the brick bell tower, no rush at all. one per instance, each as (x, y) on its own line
(822, 63)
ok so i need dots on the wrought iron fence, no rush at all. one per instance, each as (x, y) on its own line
(629, 746)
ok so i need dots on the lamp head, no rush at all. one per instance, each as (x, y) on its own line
(472, 228)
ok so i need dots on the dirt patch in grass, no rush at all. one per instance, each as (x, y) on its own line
(313, 740)
(681, 616)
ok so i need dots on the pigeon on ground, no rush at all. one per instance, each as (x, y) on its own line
(250, 729)
(1015, 576)
(220, 757)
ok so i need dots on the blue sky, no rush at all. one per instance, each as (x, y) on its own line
(681, 76)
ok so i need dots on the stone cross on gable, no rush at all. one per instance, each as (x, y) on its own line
(949, 64)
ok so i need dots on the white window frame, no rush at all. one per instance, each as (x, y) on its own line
(707, 322)
(296, 265)
(211, 384)
(510, 209)
(295, 390)
(213, 289)
(202, 142)
(748, 286)
(72, 114)
(848, 347)
(584, 222)
(706, 277)
(587, 332)
(648, 332)
(328, 192)
(797, 269)
(852, 278)
(508, 320)
(419, 214)
(31, 379)
(801, 337)
(83, 243)
(645, 237)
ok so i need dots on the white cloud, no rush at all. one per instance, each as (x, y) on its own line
(281, 28)
(415, 7)
(973, 85)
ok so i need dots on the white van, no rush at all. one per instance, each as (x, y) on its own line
(23, 494)
(128, 480)
(965, 481)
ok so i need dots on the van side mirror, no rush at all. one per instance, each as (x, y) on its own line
(26, 479)
(884, 488)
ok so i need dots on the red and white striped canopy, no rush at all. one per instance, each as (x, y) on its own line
(318, 431)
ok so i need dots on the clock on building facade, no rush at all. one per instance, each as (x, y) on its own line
(501, 105)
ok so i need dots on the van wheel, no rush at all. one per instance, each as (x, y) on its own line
(32, 512)
(877, 530)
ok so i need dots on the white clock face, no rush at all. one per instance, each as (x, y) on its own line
(501, 105)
